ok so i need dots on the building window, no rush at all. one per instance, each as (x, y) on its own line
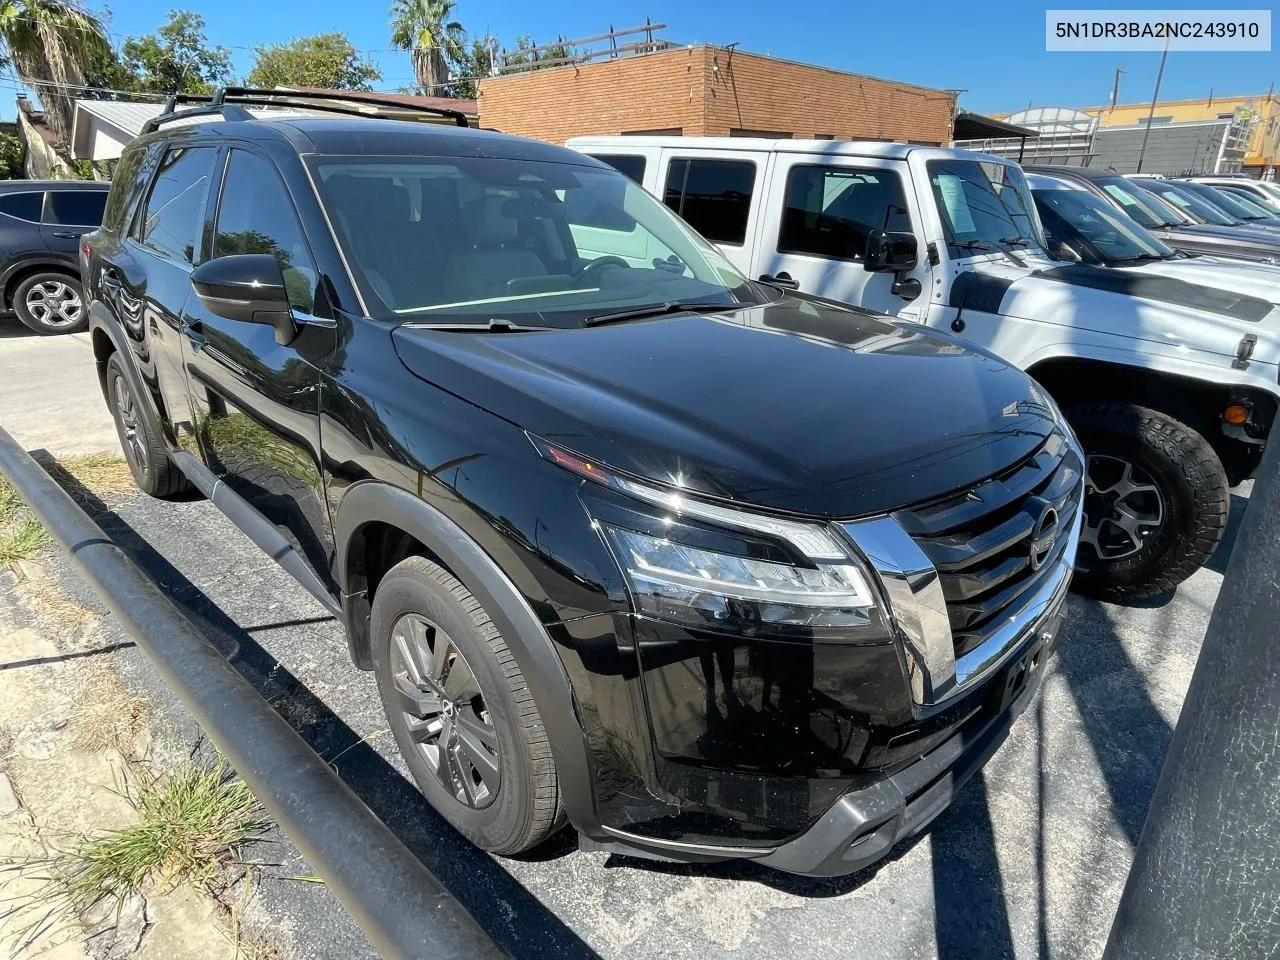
(660, 132)
(1155, 120)
(824, 136)
(714, 196)
(764, 134)
(830, 211)
(629, 165)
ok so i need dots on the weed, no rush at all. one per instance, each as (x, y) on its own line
(21, 539)
(10, 502)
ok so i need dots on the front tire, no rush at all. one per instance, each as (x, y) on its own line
(460, 711)
(51, 303)
(1156, 501)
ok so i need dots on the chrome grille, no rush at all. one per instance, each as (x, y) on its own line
(992, 544)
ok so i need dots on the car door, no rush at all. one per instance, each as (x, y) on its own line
(146, 278)
(717, 194)
(815, 225)
(68, 214)
(257, 402)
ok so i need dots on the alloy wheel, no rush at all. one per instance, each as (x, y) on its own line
(54, 304)
(1123, 507)
(135, 447)
(444, 711)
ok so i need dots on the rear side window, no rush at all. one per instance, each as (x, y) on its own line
(713, 196)
(24, 206)
(126, 182)
(170, 221)
(256, 215)
(626, 164)
(78, 207)
(829, 211)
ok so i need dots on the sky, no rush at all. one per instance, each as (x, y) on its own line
(993, 51)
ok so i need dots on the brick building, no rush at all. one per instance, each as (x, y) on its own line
(704, 90)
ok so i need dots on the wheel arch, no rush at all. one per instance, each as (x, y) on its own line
(372, 509)
(19, 271)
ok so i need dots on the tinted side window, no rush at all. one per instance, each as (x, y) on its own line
(829, 211)
(628, 166)
(24, 206)
(125, 184)
(714, 196)
(170, 221)
(256, 215)
(79, 207)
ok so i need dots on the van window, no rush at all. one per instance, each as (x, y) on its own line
(629, 165)
(713, 196)
(170, 222)
(24, 205)
(829, 211)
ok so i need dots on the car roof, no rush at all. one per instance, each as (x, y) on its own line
(1066, 170)
(1045, 181)
(360, 136)
(21, 186)
(857, 148)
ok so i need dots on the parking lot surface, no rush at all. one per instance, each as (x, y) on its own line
(1029, 862)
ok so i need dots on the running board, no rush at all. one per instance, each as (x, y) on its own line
(256, 527)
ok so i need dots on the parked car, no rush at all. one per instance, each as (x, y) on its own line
(1081, 226)
(1262, 201)
(1267, 190)
(1167, 221)
(40, 226)
(1206, 204)
(710, 570)
(1151, 375)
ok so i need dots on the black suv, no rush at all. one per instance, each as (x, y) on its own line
(708, 569)
(40, 226)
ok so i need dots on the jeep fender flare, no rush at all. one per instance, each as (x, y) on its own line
(528, 640)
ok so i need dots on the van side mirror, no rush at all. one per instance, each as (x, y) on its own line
(248, 287)
(890, 251)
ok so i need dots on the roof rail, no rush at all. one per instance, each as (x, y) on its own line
(228, 102)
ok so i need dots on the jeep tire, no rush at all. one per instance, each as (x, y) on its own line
(1144, 465)
(144, 450)
(460, 711)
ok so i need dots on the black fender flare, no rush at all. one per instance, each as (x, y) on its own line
(526, 637)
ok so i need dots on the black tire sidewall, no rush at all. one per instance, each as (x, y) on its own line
(502, 825)
(1125, 432)
(144, 477)
(30, 322)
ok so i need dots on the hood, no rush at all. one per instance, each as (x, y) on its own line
(1260, 280)
(1211, 238)
(791, 405)
(1172, 313)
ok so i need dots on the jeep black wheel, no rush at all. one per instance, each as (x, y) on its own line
(1156, 501)
(148, 460)
(460, 711)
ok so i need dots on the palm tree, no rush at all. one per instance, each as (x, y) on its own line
(49, 43)
(422, 27)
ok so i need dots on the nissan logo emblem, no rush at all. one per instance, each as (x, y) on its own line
(1044, 533)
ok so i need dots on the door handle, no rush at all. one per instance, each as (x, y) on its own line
(66, 234)
(782, 280)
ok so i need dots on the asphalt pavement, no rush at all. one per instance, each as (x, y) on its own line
(1028, 862)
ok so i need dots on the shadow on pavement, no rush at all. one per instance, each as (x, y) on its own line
(1218, 562)
(504, 907)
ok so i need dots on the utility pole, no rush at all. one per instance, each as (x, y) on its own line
(1152, 112)
(1115, 88)
(1205, 880)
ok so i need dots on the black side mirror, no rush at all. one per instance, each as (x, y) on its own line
(1059, 250)
(248, 287)
(890, 250)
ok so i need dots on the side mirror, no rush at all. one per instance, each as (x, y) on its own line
(890, 251)
(248, 287)
(1059, 250)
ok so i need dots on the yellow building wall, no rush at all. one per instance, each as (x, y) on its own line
(1263, 142)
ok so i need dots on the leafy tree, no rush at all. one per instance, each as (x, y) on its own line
(11, 153)
(49, 42)
(324, 60)
(433, 40)
(475, 63)
(523, 52)
(177, 58)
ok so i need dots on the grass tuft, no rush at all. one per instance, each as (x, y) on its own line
(21, 539)
(190, 823)
(10, 502)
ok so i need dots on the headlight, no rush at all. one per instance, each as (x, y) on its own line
(675, 581)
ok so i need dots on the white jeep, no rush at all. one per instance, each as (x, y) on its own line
(1172, 386)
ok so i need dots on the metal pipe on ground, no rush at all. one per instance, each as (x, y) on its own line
(404, 909)
(1205, 880)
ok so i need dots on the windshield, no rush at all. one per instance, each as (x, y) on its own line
(1096, 222)
(1270, 207)
(1190, 202)
(479, 239)
(1235, 205)
(984, 205)
(1139, 205)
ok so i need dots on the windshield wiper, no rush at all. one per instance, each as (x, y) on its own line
(1016, 241)
(657, 310)
(971, 245)
(491, 326)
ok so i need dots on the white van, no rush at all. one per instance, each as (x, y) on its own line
(1172, 386)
